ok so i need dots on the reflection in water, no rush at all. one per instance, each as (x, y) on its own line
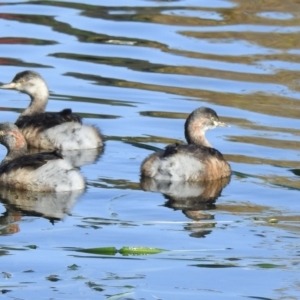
(192, 198)
(79, 158)
(187, 195)
(52, 206)
(135, 69)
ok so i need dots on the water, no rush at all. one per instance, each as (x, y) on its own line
(136, 69)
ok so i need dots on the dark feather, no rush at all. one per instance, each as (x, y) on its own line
(170, 149)
(201, 152)
(45, 121)
(25, 74)
(30, 161)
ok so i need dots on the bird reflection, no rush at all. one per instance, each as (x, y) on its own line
(78, 157)
(192, 198)
(51, 206)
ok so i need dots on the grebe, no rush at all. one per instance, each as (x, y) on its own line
(41, 172)
(78, 157)
(196, 161)
(43, 130)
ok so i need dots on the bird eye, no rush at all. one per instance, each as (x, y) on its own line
(214, 121)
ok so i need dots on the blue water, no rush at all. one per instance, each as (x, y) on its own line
(136, 69)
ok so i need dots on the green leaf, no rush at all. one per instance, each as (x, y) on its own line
(139, 250)
(101, 250)
(123, 250)
(268, 266)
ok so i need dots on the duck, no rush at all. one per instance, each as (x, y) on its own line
(39, 172)
(50, 130)
(195, 161)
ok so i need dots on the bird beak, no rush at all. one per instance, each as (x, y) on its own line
(221, 124)
(9, 86)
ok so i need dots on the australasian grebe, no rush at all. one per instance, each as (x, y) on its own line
(45, 130)
(41, 172)
(196, 161)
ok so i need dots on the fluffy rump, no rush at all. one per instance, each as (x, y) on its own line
(67, 136)
(56, 175)
(176, 167)
(186, 163)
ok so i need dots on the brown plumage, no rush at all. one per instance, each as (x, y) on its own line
(196, 161)
(41, 172)
(47, 130)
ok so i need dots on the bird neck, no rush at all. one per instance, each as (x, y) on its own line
(194, 135)
(15, 144)
(38, 103)
(13, 154)
(199, 139)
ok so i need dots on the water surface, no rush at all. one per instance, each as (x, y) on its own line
(136, 69)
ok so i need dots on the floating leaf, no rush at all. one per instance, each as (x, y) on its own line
(267, 266)
(139, 250)
(101, 250)
(123, 250)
